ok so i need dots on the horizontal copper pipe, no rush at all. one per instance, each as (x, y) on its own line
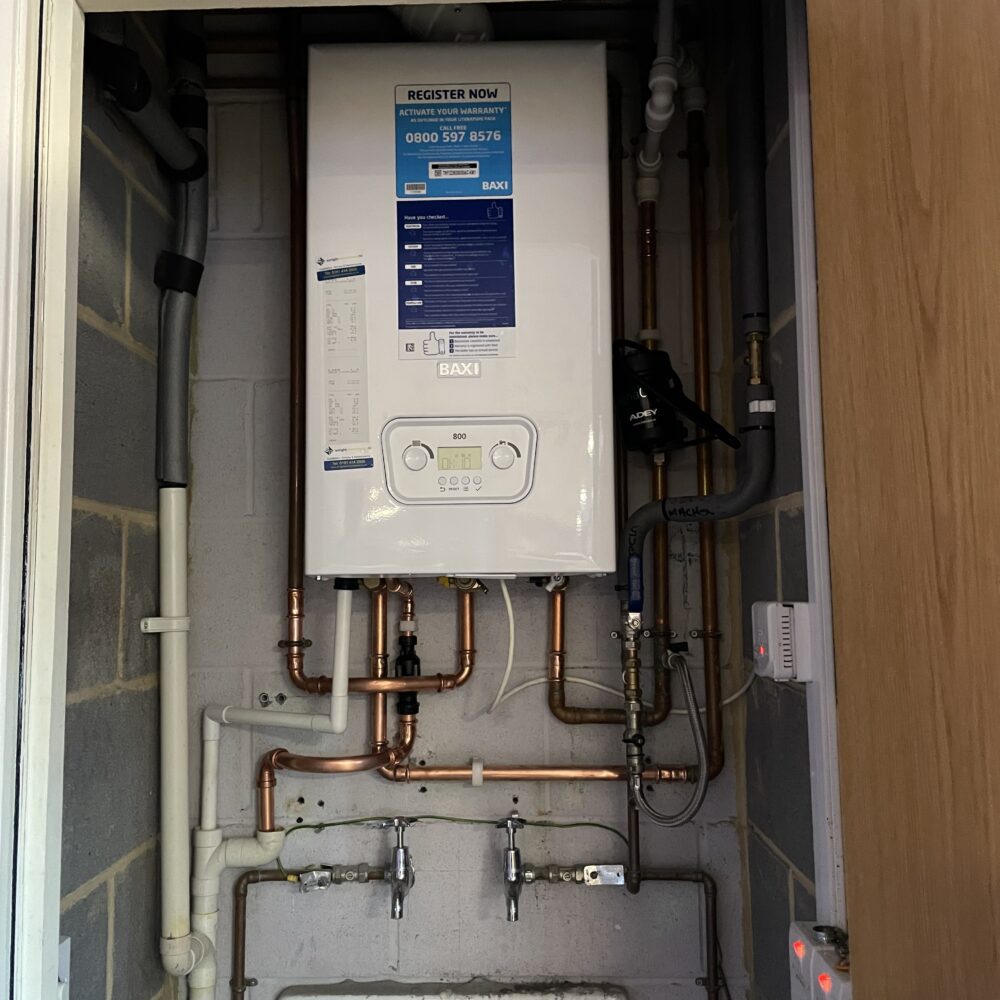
(398, 685)
(532, 772)
(577, 716)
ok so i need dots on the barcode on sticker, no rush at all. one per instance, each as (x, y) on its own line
(415, 188)
(438, 171)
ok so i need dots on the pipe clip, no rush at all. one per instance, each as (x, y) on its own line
(152, 625)
(705, 633)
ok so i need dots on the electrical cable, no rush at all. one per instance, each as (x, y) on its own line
(636, 791)
(510, 647)
(728, 700)
(467, 820)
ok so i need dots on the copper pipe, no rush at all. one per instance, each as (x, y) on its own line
(432, 683)
(378, 665)
(575, 715)
(697, 156)
(405, 590)
(661, 565)
(647, 268)
(283, 760)
(295, 643)
(238, 981)
(533, 772)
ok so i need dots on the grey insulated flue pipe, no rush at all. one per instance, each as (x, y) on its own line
(758, 444)
(178, 138)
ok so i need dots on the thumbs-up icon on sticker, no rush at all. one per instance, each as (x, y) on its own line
(433, 345)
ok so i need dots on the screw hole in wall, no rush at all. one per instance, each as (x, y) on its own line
(321, 803)
(514, 800)
(422, 788)
(298, 819)
(422, 763)
(301, 801)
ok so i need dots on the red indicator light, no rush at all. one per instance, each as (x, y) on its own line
(825, 981)
(762, 650)
(800, 950)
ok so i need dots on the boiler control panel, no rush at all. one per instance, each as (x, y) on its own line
(459, 460)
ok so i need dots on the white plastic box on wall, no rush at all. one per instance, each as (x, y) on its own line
(458, 304)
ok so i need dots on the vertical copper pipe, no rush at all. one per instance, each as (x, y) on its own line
(379, 663)
(647, 268)
(265, 798)
(697, 159)
(295, 644)
(661, 565)
(238, 980)
(658, 478)
(633, 874)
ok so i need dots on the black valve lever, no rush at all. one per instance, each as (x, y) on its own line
(649, 397)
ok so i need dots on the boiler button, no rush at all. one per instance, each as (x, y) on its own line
(465, 480)
(442, 480)
(477, 479)
(453, 480)
(502, 456)
(415, 458)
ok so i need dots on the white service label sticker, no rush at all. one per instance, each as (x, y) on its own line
(345, 359)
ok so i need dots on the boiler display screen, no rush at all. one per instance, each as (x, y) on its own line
(459, 459)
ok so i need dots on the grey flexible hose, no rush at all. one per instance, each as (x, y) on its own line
(677, 662)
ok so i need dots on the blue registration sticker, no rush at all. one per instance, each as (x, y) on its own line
(453, 140)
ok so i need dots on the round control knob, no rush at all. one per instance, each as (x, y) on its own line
(415, 458)
(502, 456)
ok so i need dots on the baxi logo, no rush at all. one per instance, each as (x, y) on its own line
(459, 369)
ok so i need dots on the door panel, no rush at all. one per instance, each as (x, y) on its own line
(906, 126)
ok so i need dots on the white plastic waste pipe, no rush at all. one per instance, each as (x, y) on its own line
(175, 834)
(341, 662)
(662, 87)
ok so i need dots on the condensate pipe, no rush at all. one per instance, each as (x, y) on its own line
(575, 716)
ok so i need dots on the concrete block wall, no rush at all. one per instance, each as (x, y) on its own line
(455, 927)
(110, 906)
(773, 567)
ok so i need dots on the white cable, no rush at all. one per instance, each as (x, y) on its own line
(735, 696)
(510, 648)
(524, 685)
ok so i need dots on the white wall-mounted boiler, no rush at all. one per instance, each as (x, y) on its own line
(459, 312)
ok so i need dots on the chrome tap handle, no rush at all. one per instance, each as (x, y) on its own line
(401, 873)
(513, 870)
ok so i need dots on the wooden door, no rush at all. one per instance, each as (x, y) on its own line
(906, 119)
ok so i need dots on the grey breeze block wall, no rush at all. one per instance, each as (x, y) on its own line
(110, 904)
(773, 567)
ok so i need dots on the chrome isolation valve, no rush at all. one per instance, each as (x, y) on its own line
(513, 870)
(401, 874)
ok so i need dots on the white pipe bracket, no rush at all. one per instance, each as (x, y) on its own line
(153, 625)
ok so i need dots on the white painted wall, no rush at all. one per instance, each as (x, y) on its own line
(454, 928)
